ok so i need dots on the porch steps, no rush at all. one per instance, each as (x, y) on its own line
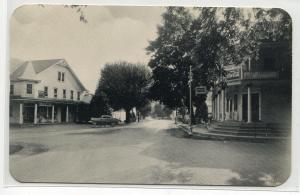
(222, 136)
(238, 130)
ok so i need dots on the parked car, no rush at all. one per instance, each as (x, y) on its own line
(104, 120)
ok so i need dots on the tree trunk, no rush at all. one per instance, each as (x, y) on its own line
(127, 120)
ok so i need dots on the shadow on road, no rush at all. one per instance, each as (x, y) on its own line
(177, 132)
(270, 178)
(97, 132)
(27, 148)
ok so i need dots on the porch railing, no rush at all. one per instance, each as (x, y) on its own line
(42, 94)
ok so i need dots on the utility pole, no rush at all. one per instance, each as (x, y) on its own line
(191, 106)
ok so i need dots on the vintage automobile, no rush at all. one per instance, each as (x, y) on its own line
(104, 120)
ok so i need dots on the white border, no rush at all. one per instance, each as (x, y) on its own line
(7, 7)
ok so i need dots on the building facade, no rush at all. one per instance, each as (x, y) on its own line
(45, 91)
(258, 90)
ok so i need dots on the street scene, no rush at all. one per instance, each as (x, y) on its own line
(150, 95)
(150, 152)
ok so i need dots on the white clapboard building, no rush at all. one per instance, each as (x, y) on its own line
(45, 91)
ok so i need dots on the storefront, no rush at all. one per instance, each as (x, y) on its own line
(253, 97)
(33, 111)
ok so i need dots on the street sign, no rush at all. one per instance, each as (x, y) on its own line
(200, 90)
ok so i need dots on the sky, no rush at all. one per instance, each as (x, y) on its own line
(111, 34)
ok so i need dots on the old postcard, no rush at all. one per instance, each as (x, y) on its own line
(150, 95)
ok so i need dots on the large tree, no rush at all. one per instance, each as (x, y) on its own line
(125, 85)
(208, 39)
(169, 60)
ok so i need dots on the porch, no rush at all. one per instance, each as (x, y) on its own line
(42, 112)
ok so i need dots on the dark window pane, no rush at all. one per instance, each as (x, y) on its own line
(29, 89)
(55, 92)
(46, 91)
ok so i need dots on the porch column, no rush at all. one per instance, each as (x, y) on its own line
(249, 106)
(21, 114)
(35, 114)
(213, 108)
(229, 108)
(223, 105)
(52, 114)
(67, 114)
(218, 107)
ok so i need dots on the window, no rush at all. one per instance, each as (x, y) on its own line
(78, 95)
(72, 94)
(269, 64)
(55, 92)
(46, 91)
(59, 76)
(11, 89)
(235, 102)
(64, 93)
(62, 76)
(29, 88)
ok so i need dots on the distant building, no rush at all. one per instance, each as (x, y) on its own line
(46, 91)
(258, 90)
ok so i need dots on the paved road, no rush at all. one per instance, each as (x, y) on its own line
(151, 152)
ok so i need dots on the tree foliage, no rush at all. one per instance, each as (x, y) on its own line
(125, 85)
(145, 110)
(99, 104)
(208, 39)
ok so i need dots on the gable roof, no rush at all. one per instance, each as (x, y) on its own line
(18, 71)
(40, 66)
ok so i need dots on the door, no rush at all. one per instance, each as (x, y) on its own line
(254, 107)
(28, 113)
(63, 114)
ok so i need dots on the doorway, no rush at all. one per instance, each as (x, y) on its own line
(254, 106)
(63, 114)
(28, 113)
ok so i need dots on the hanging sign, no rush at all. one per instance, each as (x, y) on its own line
(200, 90)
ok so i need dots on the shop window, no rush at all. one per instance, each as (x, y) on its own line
(29, 88)
(235, 102)
(227, 105)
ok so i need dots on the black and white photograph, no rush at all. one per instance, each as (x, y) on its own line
(150, 95)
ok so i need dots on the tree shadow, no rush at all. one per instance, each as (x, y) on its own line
(260, 178)
(27, 149)
(100, 132)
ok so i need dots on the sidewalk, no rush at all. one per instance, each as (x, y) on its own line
(198, 131)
